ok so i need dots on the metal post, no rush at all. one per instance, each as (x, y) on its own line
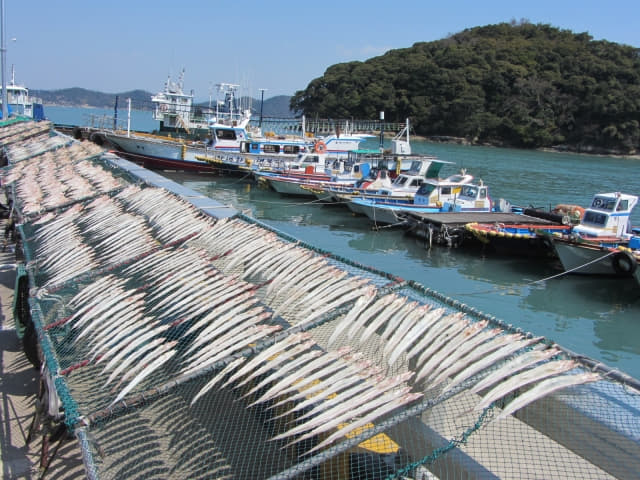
(128, 117)
(3, 50)
(381, 130)
(261, 103)
(115, 115)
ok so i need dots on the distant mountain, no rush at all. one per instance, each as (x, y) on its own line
(141, 100)
(80, 97)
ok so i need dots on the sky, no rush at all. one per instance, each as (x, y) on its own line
(277, 47)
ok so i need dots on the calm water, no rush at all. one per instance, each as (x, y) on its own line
(592, 316)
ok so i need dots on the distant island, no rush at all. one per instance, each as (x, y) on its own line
(141, 100)
(512, 84)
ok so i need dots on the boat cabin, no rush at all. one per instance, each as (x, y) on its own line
(471, 198)
(435, 192)
(608, 215)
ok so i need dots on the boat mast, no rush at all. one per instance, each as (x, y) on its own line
(3, 50)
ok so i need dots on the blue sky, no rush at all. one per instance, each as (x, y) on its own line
(280, 46)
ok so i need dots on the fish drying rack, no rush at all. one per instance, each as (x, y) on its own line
(178, 338)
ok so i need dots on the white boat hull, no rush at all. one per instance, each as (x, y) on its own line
(594, 261)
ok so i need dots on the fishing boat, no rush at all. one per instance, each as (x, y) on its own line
(604, 242)
(466, 197)
(525, 237)
(20, 103)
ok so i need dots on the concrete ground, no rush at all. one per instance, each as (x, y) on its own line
(18, 392)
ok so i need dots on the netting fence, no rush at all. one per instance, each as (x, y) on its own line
(179, 345)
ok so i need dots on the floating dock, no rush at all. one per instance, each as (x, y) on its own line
(179, 338)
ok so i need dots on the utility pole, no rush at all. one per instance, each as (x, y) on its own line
(261, 103)
(3, 51)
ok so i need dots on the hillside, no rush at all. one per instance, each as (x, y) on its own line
(519, 85)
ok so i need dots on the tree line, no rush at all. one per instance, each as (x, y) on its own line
(511, 84)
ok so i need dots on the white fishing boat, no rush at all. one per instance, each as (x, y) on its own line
(431, 192)
(20, 103)
(452, 197)
(604, 242)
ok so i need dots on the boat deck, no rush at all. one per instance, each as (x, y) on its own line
(460, 219)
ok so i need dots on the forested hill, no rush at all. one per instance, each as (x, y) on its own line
(516, 84)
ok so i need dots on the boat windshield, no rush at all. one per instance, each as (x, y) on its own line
(594, 218)
(469, 191)
(604, 203)
(426, 189)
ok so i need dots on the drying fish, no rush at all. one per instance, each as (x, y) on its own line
(510, 344)
(381, 318)
(439, 326)
(332, 418)
(545, 388)
(370, 418)
(426, 361)
(253, 334)
(449, 351)
(451, 366)
(357, 308)
(407, 323)
(282, 357)
(399, 318)
(284, 369)
(525, 378)
(415, 333)
(118, 352)
(217, 378)
(133, 356)
(345, 298)
(355, 397)
(342, 383)
(516, 364)
(310, 283)
(340, 290)
(300, 376)
(120, 332)
(268, 352)
(369, 311)
(153, 366)
(320, 368)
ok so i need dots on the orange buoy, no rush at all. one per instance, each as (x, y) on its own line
(320, 147)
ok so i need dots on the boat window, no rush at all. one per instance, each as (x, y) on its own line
(291, 149)
(401, 180)
(426, 189)
(445, 190)
(225, 134)
(270, 148)
(483, 193)
(416, 182)
(594, 218)
(623, 205)
(469, 191)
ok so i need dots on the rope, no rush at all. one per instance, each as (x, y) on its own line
(438, 452)
(551, 277)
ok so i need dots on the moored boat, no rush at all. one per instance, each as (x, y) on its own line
(524, 237)
(603, 242)
(465, 197)
(20, 103)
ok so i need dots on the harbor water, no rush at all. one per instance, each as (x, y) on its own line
(596, 317)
